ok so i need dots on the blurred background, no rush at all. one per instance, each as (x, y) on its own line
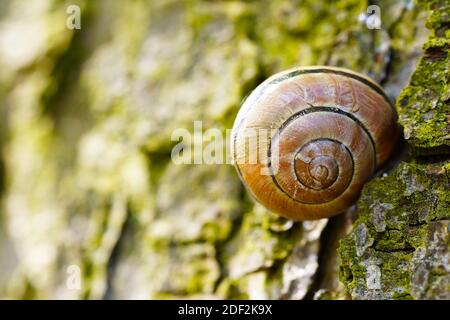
(93, 207)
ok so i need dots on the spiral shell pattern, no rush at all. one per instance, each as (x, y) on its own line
(306, 140)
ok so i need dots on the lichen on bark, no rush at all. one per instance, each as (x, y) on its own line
(89, 180)
(424, 105)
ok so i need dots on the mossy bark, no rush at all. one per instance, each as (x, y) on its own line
(87, 118)
(399, 247)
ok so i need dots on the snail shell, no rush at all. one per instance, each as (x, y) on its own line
(306, 140)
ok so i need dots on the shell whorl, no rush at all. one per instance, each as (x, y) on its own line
(306, 140)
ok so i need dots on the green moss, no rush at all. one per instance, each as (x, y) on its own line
(281, 24)
(424, 105)
(399, 216)
(391, 240)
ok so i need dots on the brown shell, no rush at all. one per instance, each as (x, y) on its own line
(306, 140)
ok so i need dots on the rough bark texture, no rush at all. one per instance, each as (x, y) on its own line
(87, 117)
(399, 247)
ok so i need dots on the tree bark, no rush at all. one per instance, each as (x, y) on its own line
(89, 187)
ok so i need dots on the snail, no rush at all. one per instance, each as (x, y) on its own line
(306, 140)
